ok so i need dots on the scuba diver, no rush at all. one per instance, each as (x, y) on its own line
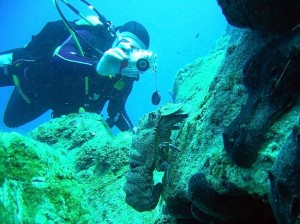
(91, 63)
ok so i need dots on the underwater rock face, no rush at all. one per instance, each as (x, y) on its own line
(76, 178)
(255, 65)
(285, 181)
(37, 185)
(150, 148)
(230, 205)
(268, 15)
(270, 77)
(212, 107)
(73, 130)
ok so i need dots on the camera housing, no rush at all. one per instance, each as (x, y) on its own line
(139, 62)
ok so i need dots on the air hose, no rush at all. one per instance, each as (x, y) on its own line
(76, 36)
(67, 24)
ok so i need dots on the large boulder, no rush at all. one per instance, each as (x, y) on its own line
(68, 170)
(203, 165)
(267, 15)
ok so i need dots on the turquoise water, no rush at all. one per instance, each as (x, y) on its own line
(180, 31)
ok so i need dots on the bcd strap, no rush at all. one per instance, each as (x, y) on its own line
(15, 69)
(19, 89)
(86, 85)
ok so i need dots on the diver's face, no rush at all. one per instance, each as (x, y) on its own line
(127, 43)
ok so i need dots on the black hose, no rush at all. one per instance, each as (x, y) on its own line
(70, 27)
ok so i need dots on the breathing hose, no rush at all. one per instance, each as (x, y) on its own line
(67, 24)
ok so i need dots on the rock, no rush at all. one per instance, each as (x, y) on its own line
(230, 205)
(285, 180)
(268, 15)
(213, 108)
(38, 185)
(270, 77)
(77, 177)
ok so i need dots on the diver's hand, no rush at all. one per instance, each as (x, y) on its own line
(110, 63)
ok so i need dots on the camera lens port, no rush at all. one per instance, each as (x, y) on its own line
(142, 64)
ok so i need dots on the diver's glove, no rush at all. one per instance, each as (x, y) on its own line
(110, 63)
(5, 59)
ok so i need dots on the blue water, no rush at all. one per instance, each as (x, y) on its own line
(180, 32)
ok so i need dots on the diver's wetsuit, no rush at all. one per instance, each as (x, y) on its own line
(60, 85)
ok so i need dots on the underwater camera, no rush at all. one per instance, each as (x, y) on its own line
(139, 62)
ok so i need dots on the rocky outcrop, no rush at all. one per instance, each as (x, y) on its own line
(285, 180)
(270, 77)
(68, 170)
(203, 162)
(37, 185)
(267, 15)
(231, 205)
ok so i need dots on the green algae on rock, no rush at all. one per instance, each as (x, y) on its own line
(36, 183)
(72, 131)
(62, 184)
